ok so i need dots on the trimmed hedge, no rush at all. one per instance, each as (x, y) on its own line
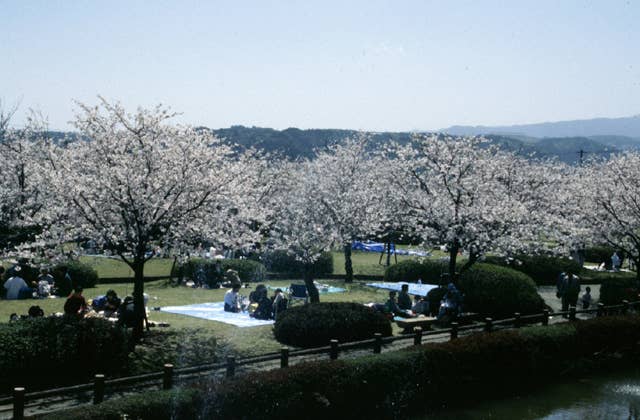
(248, 270)
(46, 352)
(81, 274)
(430, 271)
(396, 384)
(614, 290)
(313, 325)
(282, 262)
(499, 292)
(543, 269)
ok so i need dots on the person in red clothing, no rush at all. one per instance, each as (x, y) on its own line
(76, 305)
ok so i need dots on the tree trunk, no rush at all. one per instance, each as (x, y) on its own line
(314, 295)
(348, 265)
(453, 256)
(138, 296)
(388, 253)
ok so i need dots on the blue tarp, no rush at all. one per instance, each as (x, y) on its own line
(380, 247)
(414, 288)
(214, 311)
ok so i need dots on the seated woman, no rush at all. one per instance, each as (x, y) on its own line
(76, 305)
(111, 304)
(231, 299)
(264, 309)
(392, 309)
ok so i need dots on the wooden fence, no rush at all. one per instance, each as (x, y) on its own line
(166, 377)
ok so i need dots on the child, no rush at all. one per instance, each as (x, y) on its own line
(586, 298)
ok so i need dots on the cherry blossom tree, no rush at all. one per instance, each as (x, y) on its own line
(607, 203)
(343, 181)
(474, 198)
(23, 184)
(301, 226)
(135, 181)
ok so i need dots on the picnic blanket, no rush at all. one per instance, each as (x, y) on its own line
(369, 246)
(214, 311)
(322, 288)
(414, 288)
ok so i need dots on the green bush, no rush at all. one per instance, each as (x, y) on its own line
(499, 292)
(430, 271)
(248, 270)
(44, 352)
(315, 324)
(543, 269)
(282, 262)
(400, 384)
(614, 290)
(82, 274)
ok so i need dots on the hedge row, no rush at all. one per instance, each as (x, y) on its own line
(429, 271)
(543, 269)
(46, 352)
(248, 270)
(396, 384)
(282, 262)
(315, 324)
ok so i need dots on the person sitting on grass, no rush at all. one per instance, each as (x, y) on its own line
(404, 300)
(231, 299)
(111, 304)
(265, 308)
(279, 302)
(392, 309)
(76, 305)
(16, 285)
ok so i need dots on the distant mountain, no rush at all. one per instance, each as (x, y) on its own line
(626, 126)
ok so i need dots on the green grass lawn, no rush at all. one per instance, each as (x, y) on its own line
(240, 341)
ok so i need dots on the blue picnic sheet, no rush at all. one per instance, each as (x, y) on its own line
(414, 288)
(214, 311)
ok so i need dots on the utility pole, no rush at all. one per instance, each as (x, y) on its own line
(581, 156)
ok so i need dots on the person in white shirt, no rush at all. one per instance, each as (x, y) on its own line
(231, 300)
(15, 284)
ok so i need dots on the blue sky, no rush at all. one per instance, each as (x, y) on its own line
(371, 65)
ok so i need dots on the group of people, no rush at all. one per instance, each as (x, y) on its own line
(568, 290)
(16, 287)
(259, 305)
(401, 305)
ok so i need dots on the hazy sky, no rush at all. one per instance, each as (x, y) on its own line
(372, 65)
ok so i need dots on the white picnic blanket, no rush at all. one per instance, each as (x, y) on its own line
(214, 311)
(414, 288)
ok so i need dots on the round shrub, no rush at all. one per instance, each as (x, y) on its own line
(282, 262)
(315, 324)
(81, 274)
(499, 292)
(614, 290)
(430, 271)
(543, 269)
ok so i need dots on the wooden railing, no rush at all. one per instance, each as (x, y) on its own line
(165, 377)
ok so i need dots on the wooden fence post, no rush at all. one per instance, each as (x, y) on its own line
(231, 366)
(377, 343)
(18, 403)
(333, 354)
(167, 376)
(454, 330)
(284, 357)
(545, 317)
(98, 388)
(488, 324)
(517, 321)
(417, 338)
